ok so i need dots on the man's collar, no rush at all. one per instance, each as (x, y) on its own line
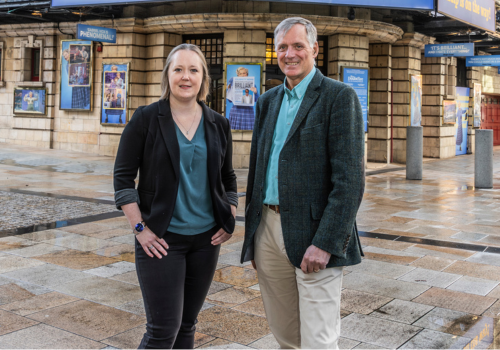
(300, 89)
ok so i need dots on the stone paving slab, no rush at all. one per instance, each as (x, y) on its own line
(433, 263)
(376, 331)
(101, 290)
(218, 321)
(473, 285)
(46, 275)
(113, 269)
(88, 319)
(12, 322)
(475, 270)
(380, 268)
(383, 286)
(402, 311)
(485, 258)
(448, 299)
(430, 277)
(42, 336)
(361, 302)
(428, 339)
(36, 303)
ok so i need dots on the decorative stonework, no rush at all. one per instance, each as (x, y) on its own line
(25, 46)
(216, 22)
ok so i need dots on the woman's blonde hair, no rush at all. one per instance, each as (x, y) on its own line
(240, 70)
(205, 83)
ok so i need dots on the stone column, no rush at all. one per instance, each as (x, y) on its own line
(244, 45)
(406, 54)
(439, 76)
(346, 50)
(379, 132)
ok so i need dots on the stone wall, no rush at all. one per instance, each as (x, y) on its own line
(406, 55)
(244, 46)
(439, 81)
(379, 120)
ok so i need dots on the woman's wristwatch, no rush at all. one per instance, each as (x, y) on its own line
(139, 227)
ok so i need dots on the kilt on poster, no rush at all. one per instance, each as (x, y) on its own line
(242, 93)
(76, 75)
(114, 93)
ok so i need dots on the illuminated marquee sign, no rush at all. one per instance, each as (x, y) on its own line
(79, 3)
(479, 13)
(400, 4)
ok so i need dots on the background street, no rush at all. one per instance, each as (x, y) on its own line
(430, 277)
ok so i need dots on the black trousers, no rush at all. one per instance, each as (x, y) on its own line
(174, 288)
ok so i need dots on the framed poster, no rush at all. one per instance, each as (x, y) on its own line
(462, 98)
(115, 91)
(450, 112)
(415, 100)
(477, 106)
(243, 82)
(30, 100)
(76, 75)
(358, 79)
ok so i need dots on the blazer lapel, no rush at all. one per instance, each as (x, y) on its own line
(270, 123)
(167, 127)
(310, 97)
(212, 141)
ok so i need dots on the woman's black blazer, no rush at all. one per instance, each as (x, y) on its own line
(149, 145)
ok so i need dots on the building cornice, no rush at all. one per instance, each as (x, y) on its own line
(214, 22)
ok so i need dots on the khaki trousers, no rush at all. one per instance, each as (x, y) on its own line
(303, 310)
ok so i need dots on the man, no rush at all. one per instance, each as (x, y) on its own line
(246, 98)
(85, 54)
(305, 185)
(30, 99)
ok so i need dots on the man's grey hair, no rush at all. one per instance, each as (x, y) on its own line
(288, 23)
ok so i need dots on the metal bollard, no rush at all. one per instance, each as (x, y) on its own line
(414, 152)
(483, 159)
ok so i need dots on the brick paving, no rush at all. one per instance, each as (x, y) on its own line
(419, 287)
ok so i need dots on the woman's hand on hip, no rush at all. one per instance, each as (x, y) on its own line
(152, 245)
(220, 237)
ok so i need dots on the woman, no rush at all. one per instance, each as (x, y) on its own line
(242, 117)
(185, 204)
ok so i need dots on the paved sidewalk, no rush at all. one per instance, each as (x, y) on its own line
(430, 277)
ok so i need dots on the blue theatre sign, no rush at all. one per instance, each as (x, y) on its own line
(449, 50)
(102, 34)
(483, 61)
(478, 13)
(399, 4)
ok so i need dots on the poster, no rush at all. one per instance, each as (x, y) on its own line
(30, 101)
(76, 75)
(462, 120)
(114, 94)
(416, 100)
(243, 81)
(357, 78)
(477, 105)
(449, 112)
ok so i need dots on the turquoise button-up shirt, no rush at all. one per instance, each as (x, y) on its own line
(289, 108)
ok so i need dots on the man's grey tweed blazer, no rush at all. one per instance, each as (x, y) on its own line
(320, 174)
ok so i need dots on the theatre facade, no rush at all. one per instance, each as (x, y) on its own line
(124, 75)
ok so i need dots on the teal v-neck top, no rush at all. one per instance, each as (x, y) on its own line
(193, 213)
